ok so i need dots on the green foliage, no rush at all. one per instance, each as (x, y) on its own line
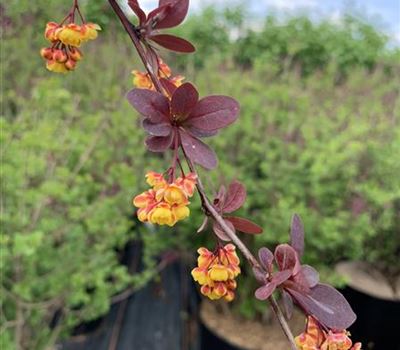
(73, 157)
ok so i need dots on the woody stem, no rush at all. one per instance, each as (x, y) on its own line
(206, 204)
(130, 29)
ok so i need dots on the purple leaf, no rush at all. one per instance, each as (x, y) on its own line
(150, 104)
(287, 304)
(266, 258)
(286, 258)
(183, 100)
(327, 305)
(281, 276)
(158, 143)
(156, 129)
(244, 225)
(214, 112)
(310, 274)
(133, 4)
(198, 151)
(264, 292)
(297, 235)
(172, 42)
(175, 15)
(168, 86)
(235, 197)
(221, 232)
(260, 275)
(201, 133)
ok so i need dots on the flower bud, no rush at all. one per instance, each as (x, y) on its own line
(47, 53)
(75, 54)
(70, 64)
(60, 56)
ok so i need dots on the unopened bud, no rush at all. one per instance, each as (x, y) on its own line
(75, 54)
(70, 64)
(60, 56)
(47, 53)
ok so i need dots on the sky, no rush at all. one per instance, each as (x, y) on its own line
(384, 14)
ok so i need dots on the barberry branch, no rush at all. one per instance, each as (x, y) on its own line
(206, 204)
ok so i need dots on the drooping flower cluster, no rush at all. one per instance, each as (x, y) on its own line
(142, 80)
(166, 203)
(216, 272)
(63, 55)
(315, 338)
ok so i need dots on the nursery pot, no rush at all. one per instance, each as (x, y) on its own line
(223, 330)
(376, 304)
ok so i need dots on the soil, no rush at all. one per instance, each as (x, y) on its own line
(248, 334)
(362, 277)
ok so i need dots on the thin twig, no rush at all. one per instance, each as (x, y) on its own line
(206, 204)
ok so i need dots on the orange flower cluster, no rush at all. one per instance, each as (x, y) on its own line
(315, 338)
(216, 272)
(64, 54)
(166, 203)
(142, 80)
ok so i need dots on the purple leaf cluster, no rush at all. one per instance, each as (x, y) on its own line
(228, 201)
(168, 14)
(300, 283)
(183, 120)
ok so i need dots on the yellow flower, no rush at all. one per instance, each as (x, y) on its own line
(162, 215)
(56, 67)
(50, 31)
(180, 212)
(142, 80)
(174, 195)
(219, 273)
(70, 34)
(156, 180)
(89, 31)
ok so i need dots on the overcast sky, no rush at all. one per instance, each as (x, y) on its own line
(385, 14)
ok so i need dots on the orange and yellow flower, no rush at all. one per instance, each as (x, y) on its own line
(142, 80)
(315, 338)
(166, 203)
(63, 55)
(216, 272)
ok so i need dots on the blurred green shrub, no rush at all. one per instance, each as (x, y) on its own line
(73, 157)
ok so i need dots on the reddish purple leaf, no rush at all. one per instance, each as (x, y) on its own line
(235, 197)
(265, 291)
(297, 235)
(327, 305)
(133, 4)
(183, 100)
(310, 274)
(214, 112)
(281, 276)
(244, 225)
(220, 232)
(168, 86)
(156, 129)
(286, 258)
(266, 258)
(175, 15)
(201, 133)
(198, 151)
(150, 104)
(158, 143)
(287, 304)
(260, 275)
(172, 42)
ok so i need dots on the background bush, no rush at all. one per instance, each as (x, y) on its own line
(318, 135)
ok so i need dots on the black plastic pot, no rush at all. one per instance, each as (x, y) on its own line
(378, 321)
(209, 340)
